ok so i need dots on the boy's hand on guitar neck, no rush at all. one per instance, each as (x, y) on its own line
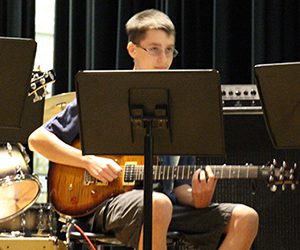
(203, 187)
(104, 169)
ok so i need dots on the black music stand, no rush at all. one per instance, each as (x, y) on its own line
(19, 116)
(279, 89)
(180, 109)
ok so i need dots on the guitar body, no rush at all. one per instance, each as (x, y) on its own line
(70, 195)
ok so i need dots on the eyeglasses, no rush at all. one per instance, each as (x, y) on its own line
(157, 51)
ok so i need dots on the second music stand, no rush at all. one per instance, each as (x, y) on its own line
(279, 89)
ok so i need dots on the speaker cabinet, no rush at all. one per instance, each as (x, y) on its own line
(247, 141)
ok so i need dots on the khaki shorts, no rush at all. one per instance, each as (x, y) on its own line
(202, 228)
(123, 216)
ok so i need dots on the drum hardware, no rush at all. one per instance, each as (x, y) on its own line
(23, 151)
(9, 148)
(23, 224)
(20, 174)
(46, 224)
(52, 222)
(37, 221)
(66, 227)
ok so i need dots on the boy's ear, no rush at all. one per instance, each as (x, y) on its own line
(131, 48)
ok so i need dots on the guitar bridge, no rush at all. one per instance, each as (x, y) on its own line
(88, 180)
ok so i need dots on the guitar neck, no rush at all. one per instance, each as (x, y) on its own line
(182, 172)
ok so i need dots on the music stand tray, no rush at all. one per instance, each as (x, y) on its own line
(279, 89)
(150, 113)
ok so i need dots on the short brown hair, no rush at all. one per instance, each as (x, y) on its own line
(140, 23)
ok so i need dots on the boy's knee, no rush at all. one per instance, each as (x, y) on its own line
(162, 206)
(246, 217)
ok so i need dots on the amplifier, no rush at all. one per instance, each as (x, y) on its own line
(240, 99)
(31, 243)
(239, 92)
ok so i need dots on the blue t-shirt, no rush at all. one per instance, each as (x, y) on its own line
(65, 126)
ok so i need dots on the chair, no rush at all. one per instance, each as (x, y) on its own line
(108, 241)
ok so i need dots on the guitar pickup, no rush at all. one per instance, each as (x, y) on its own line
(88, 180)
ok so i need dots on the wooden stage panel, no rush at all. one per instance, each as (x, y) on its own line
(31, 243)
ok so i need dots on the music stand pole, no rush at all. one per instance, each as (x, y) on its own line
(148, 185)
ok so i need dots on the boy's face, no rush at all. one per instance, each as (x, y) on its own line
(154, 52)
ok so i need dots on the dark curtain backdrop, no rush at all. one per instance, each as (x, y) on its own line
(91, 35)
(17, 18)
(231, 36)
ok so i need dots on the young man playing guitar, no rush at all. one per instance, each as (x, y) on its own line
(187, 207)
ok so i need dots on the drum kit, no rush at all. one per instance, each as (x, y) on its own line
(20, 213)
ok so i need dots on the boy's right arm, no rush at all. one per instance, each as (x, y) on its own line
(55, 150)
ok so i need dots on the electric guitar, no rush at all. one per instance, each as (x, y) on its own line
(74, 192)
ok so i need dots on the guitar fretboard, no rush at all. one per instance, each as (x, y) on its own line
(185, 172)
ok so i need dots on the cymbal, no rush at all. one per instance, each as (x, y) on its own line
(56, 104)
